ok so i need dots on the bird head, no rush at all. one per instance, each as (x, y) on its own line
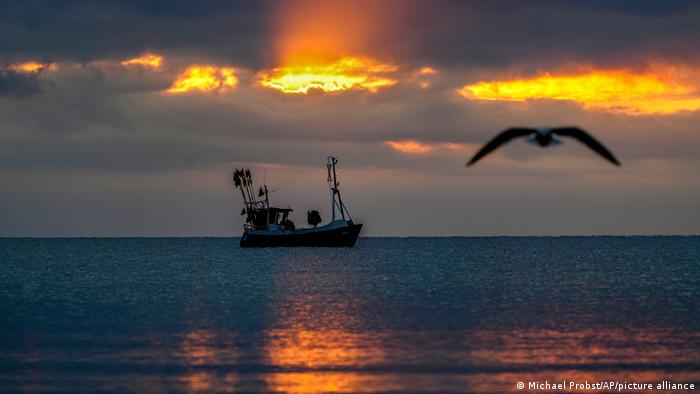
(543, 130)
(543, 136)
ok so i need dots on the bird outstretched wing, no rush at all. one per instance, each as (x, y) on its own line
(587, 139)
(499, 140)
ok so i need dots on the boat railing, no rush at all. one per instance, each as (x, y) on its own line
(249, 226)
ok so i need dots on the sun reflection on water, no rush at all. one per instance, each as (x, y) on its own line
(323, 339)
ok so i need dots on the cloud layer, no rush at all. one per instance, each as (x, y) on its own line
(94, 146)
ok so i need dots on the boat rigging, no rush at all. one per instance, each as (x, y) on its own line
(266, 225)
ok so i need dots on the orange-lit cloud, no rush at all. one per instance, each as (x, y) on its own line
(417, 148)
(453, 146)
(204, 78)
(423, 76)
(33, 67)
(654, 92)
(344, 74)
(409, 146)
(148, 60)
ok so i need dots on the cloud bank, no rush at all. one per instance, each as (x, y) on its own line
(100, 146)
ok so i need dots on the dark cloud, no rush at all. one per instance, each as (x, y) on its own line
(449, 33)
(542, 34)
(646, 8)
(18, 85)
(89, 30)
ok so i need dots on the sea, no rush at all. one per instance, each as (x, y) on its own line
(392, 315)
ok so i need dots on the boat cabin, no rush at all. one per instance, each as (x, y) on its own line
(271, 219)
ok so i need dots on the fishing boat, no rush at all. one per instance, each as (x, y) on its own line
(268, 226)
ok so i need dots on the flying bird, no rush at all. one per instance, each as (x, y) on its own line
(544, 136)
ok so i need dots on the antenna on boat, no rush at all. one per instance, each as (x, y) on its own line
(267, 195)
(335, 192)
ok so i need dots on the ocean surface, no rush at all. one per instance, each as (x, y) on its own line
(438, 315)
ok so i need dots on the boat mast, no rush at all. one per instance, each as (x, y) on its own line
(333, 179)
(267, 208)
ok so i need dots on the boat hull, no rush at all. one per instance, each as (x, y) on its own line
(342, 236)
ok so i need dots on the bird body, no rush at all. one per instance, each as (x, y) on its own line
(544, 137)
(544, 141)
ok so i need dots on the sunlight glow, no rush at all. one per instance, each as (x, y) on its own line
(33, 67)
(205, 79)
(344, 74)
(409, 146)
(148, 60)
(620, 91)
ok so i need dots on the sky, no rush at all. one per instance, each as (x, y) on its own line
(127, 118)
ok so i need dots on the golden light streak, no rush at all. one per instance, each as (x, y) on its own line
(620, 91)
(148, 60)
(330, 46)
(344, 74)
(427, 70)
(33, 67)
(204, 78)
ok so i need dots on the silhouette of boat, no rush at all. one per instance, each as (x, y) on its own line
(267, 226)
